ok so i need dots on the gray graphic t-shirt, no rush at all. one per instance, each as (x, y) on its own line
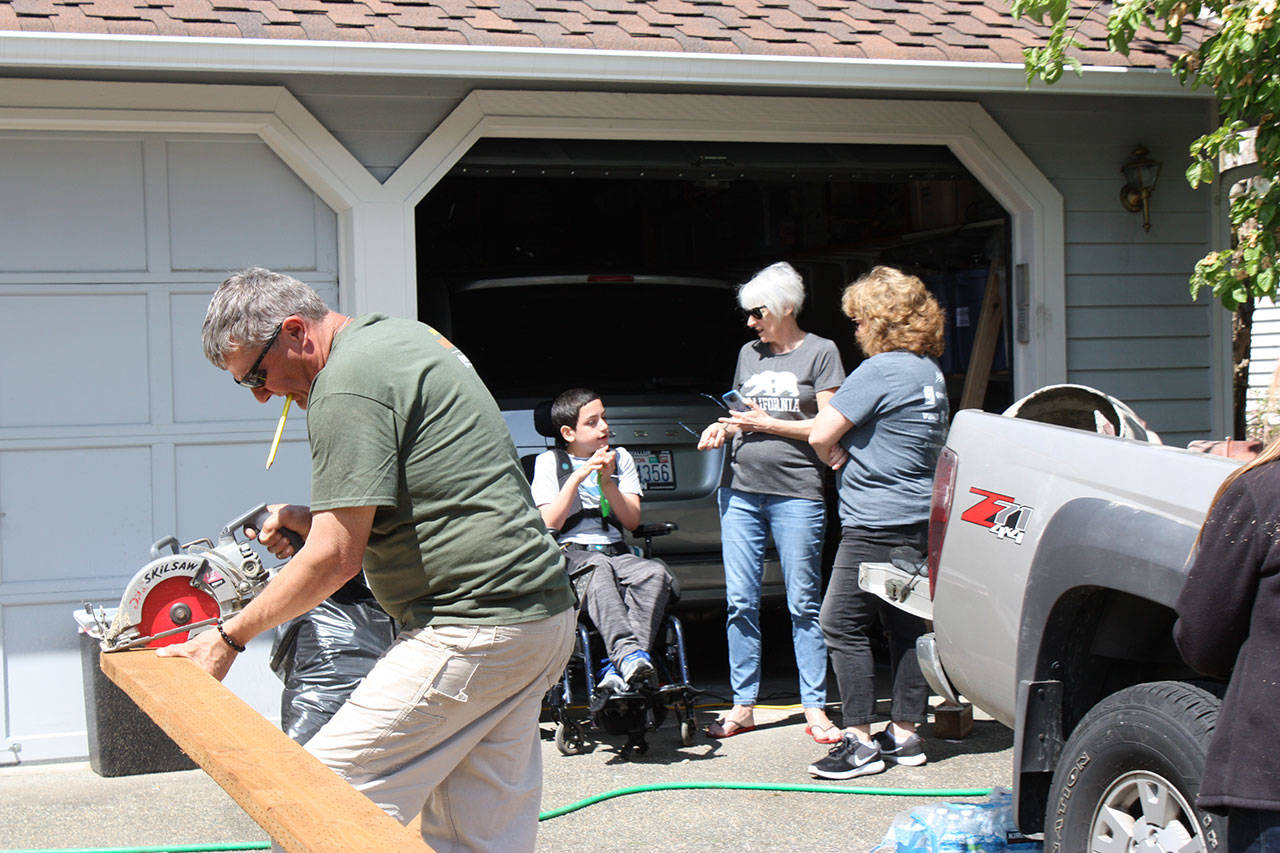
(897, 402)
(784, 385)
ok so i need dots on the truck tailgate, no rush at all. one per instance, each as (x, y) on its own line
(905, 590)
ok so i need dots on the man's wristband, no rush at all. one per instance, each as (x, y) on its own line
(227, 639)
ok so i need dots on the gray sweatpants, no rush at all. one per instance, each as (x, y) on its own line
(625, 598)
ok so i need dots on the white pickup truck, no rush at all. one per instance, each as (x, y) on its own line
(1056, 556)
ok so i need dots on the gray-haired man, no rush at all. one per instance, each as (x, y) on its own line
(415, 480)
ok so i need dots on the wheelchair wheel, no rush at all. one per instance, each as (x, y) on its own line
(569, 739)
(688, 731)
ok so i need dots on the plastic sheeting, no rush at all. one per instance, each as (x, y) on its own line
(324, 654)
(957, 828)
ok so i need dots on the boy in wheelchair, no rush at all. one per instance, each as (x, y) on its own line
(591, 492)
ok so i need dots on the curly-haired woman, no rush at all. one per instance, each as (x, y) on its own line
(890, 418)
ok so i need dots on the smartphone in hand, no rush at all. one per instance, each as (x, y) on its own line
(735, 401)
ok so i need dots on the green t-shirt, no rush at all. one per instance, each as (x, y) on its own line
(399, 420)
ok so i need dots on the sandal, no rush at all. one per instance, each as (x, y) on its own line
(722, 729)
(824, 734)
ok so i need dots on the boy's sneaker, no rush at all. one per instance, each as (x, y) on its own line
(636, 668)
(847, 759)
(611, 680)
(910, 752)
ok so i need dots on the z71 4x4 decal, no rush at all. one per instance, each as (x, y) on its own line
(1000, 514)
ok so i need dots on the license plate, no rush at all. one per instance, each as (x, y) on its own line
(656, 468)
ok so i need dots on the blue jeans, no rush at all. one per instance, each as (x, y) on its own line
(796, 525)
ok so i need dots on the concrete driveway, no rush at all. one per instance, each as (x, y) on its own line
(68, 806)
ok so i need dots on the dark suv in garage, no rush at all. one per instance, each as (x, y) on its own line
(651, 346)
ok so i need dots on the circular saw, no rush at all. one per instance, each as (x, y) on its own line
(184, 591)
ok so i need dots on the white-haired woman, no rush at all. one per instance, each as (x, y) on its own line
(773, 488)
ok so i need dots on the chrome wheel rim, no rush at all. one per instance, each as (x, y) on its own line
(1142, 812)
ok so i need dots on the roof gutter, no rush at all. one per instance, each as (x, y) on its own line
(29, 51)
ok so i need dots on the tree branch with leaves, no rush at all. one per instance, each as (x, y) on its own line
(1238, 57)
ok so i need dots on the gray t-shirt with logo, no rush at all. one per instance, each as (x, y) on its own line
(785, 385)
(897, 402)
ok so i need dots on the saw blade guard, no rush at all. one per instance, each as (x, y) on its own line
(175, 603)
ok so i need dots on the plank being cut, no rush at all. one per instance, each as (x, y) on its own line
(300, 803)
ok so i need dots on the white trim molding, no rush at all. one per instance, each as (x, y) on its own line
(557, 66)
(1034, 204)
(377, 249)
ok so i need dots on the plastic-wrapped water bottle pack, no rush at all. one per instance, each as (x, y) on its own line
(957, 828)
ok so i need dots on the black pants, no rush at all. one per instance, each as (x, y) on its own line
(1253, 831)
(848, 617)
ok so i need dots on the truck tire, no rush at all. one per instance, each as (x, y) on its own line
(1130, 772)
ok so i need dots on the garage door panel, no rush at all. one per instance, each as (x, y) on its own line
(235, 204)
(219, 481)
(202, 392)
(71, 205)
(114, 429)
(74, 360)
(74, 514)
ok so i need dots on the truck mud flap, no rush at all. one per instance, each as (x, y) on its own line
(1037, 747)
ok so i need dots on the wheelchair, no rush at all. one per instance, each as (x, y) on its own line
(635, 711)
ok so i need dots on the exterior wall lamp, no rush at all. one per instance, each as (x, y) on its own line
(1140, 175)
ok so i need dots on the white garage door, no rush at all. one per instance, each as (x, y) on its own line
(114, 430)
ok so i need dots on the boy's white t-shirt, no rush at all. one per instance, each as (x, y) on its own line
(590, 531)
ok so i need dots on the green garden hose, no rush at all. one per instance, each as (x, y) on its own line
(581, 804)
(763, 786)
(160, 848)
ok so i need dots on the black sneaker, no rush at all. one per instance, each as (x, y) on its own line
(910, 752)
(847, 759)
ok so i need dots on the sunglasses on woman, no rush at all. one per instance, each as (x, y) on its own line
(757, 312)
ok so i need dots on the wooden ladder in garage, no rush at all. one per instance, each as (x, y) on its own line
(303, 805)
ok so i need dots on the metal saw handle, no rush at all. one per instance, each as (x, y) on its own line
(255, 518)
(170, 542)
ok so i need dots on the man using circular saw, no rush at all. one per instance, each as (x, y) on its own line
(414, 480)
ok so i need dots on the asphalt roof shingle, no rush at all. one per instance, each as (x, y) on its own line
(947, 30)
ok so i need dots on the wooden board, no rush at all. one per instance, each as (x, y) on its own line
(302, 805)
(990, 318)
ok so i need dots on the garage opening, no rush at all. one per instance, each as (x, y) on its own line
(534, 254)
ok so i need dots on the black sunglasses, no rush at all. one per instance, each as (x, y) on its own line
(256, 378)
(757, 312)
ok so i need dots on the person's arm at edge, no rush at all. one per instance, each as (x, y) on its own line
(332, 555)
(828, 427)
